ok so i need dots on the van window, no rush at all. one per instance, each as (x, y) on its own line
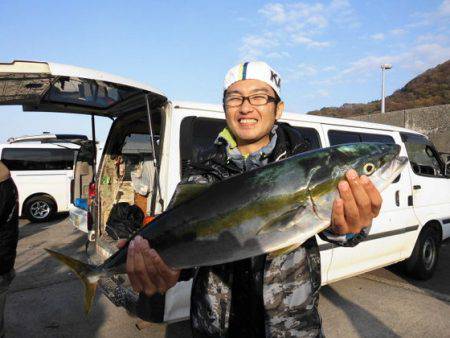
(38, 159)
(196, 135)
(422, 155)
(311, 135)
(137, 150)
(85, 92)
(199, 133)
(341, 137)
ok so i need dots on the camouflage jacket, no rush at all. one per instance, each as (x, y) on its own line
(265, 295)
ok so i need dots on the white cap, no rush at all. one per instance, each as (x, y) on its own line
(256, 70)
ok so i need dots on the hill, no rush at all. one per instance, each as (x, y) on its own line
(430, 88)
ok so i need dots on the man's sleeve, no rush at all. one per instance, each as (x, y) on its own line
(347, 240)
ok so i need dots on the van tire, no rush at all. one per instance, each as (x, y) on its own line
(39, 209)
(424, 258)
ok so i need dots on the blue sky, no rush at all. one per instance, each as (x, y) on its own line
(327, 52)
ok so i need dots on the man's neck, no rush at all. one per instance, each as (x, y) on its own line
(248, 148)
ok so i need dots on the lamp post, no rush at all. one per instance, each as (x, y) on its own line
(384, 67)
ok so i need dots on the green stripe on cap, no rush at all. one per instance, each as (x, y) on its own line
(244, 71)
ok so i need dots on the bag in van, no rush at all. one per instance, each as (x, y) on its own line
(123, 220)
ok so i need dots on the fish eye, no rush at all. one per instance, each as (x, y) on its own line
(369, 168)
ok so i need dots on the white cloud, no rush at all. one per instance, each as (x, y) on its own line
(439, 16)
(303, 40)
(429, 55)
(254, 46)
(274, 13)
(398, 31)
(419, 58)
(369, 63)
(319, 93)
(329, 69)
(323, 93)
(444, 8)
(300, 71)
(377, 36)
(433, 38)
(277, 55)
(306, 70)
(293, 24)
(299, 22)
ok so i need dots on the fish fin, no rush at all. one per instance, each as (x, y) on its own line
(283, 220)
(84, 272)
(186, 192)
(284, 251)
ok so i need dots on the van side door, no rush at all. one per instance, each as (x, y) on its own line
(396, 220)
(430, 197)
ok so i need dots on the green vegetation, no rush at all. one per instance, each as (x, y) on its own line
(430, 88)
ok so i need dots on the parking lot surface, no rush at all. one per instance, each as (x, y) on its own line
(45, 298)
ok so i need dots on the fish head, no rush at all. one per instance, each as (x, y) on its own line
(378, 161)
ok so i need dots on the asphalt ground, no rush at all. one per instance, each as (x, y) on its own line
(45, 299)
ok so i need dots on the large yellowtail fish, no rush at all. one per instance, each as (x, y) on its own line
(270, 209)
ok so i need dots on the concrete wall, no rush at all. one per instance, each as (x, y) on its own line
(432, 121)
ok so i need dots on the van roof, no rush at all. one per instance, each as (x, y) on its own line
(39, 145)
(301, 117)
(47, 138)
(58, 69)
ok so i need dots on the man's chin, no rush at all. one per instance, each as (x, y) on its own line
(248, 139)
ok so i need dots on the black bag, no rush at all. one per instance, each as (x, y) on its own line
(124, 220)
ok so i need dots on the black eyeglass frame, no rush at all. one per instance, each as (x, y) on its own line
(243, 98)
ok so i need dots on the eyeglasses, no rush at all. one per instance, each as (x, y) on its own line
(254, 100)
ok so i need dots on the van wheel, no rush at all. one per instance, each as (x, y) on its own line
(39, 209)
(424, 258)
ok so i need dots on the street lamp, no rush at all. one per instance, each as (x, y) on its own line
(384, 67)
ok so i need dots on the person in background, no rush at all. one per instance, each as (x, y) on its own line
(9, 236)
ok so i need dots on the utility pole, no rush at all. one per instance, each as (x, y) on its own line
(384, 67)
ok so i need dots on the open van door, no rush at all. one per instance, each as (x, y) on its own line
(52, 87)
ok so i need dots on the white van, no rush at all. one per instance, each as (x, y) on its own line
(42, 168)
(415, 215)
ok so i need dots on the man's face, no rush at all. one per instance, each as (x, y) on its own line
(251, 123)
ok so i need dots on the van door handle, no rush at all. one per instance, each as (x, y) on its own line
(416, 187)
(397, 198)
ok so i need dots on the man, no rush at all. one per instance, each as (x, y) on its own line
(264, 295)
(9, 232)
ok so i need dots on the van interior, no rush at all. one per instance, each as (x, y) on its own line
(127, 172)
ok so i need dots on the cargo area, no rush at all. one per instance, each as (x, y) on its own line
(127, 173)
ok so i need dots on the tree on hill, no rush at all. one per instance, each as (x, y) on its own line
(430, 88)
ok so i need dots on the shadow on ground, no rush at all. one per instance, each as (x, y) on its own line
(45, 300)
(440, 282)
(30, 228)
(363, 321)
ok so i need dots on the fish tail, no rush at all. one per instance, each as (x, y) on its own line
(85, 272)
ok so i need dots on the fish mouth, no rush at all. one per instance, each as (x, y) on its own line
(388, 172)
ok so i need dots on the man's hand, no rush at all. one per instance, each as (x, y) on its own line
(146, 270)
(358, 204)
